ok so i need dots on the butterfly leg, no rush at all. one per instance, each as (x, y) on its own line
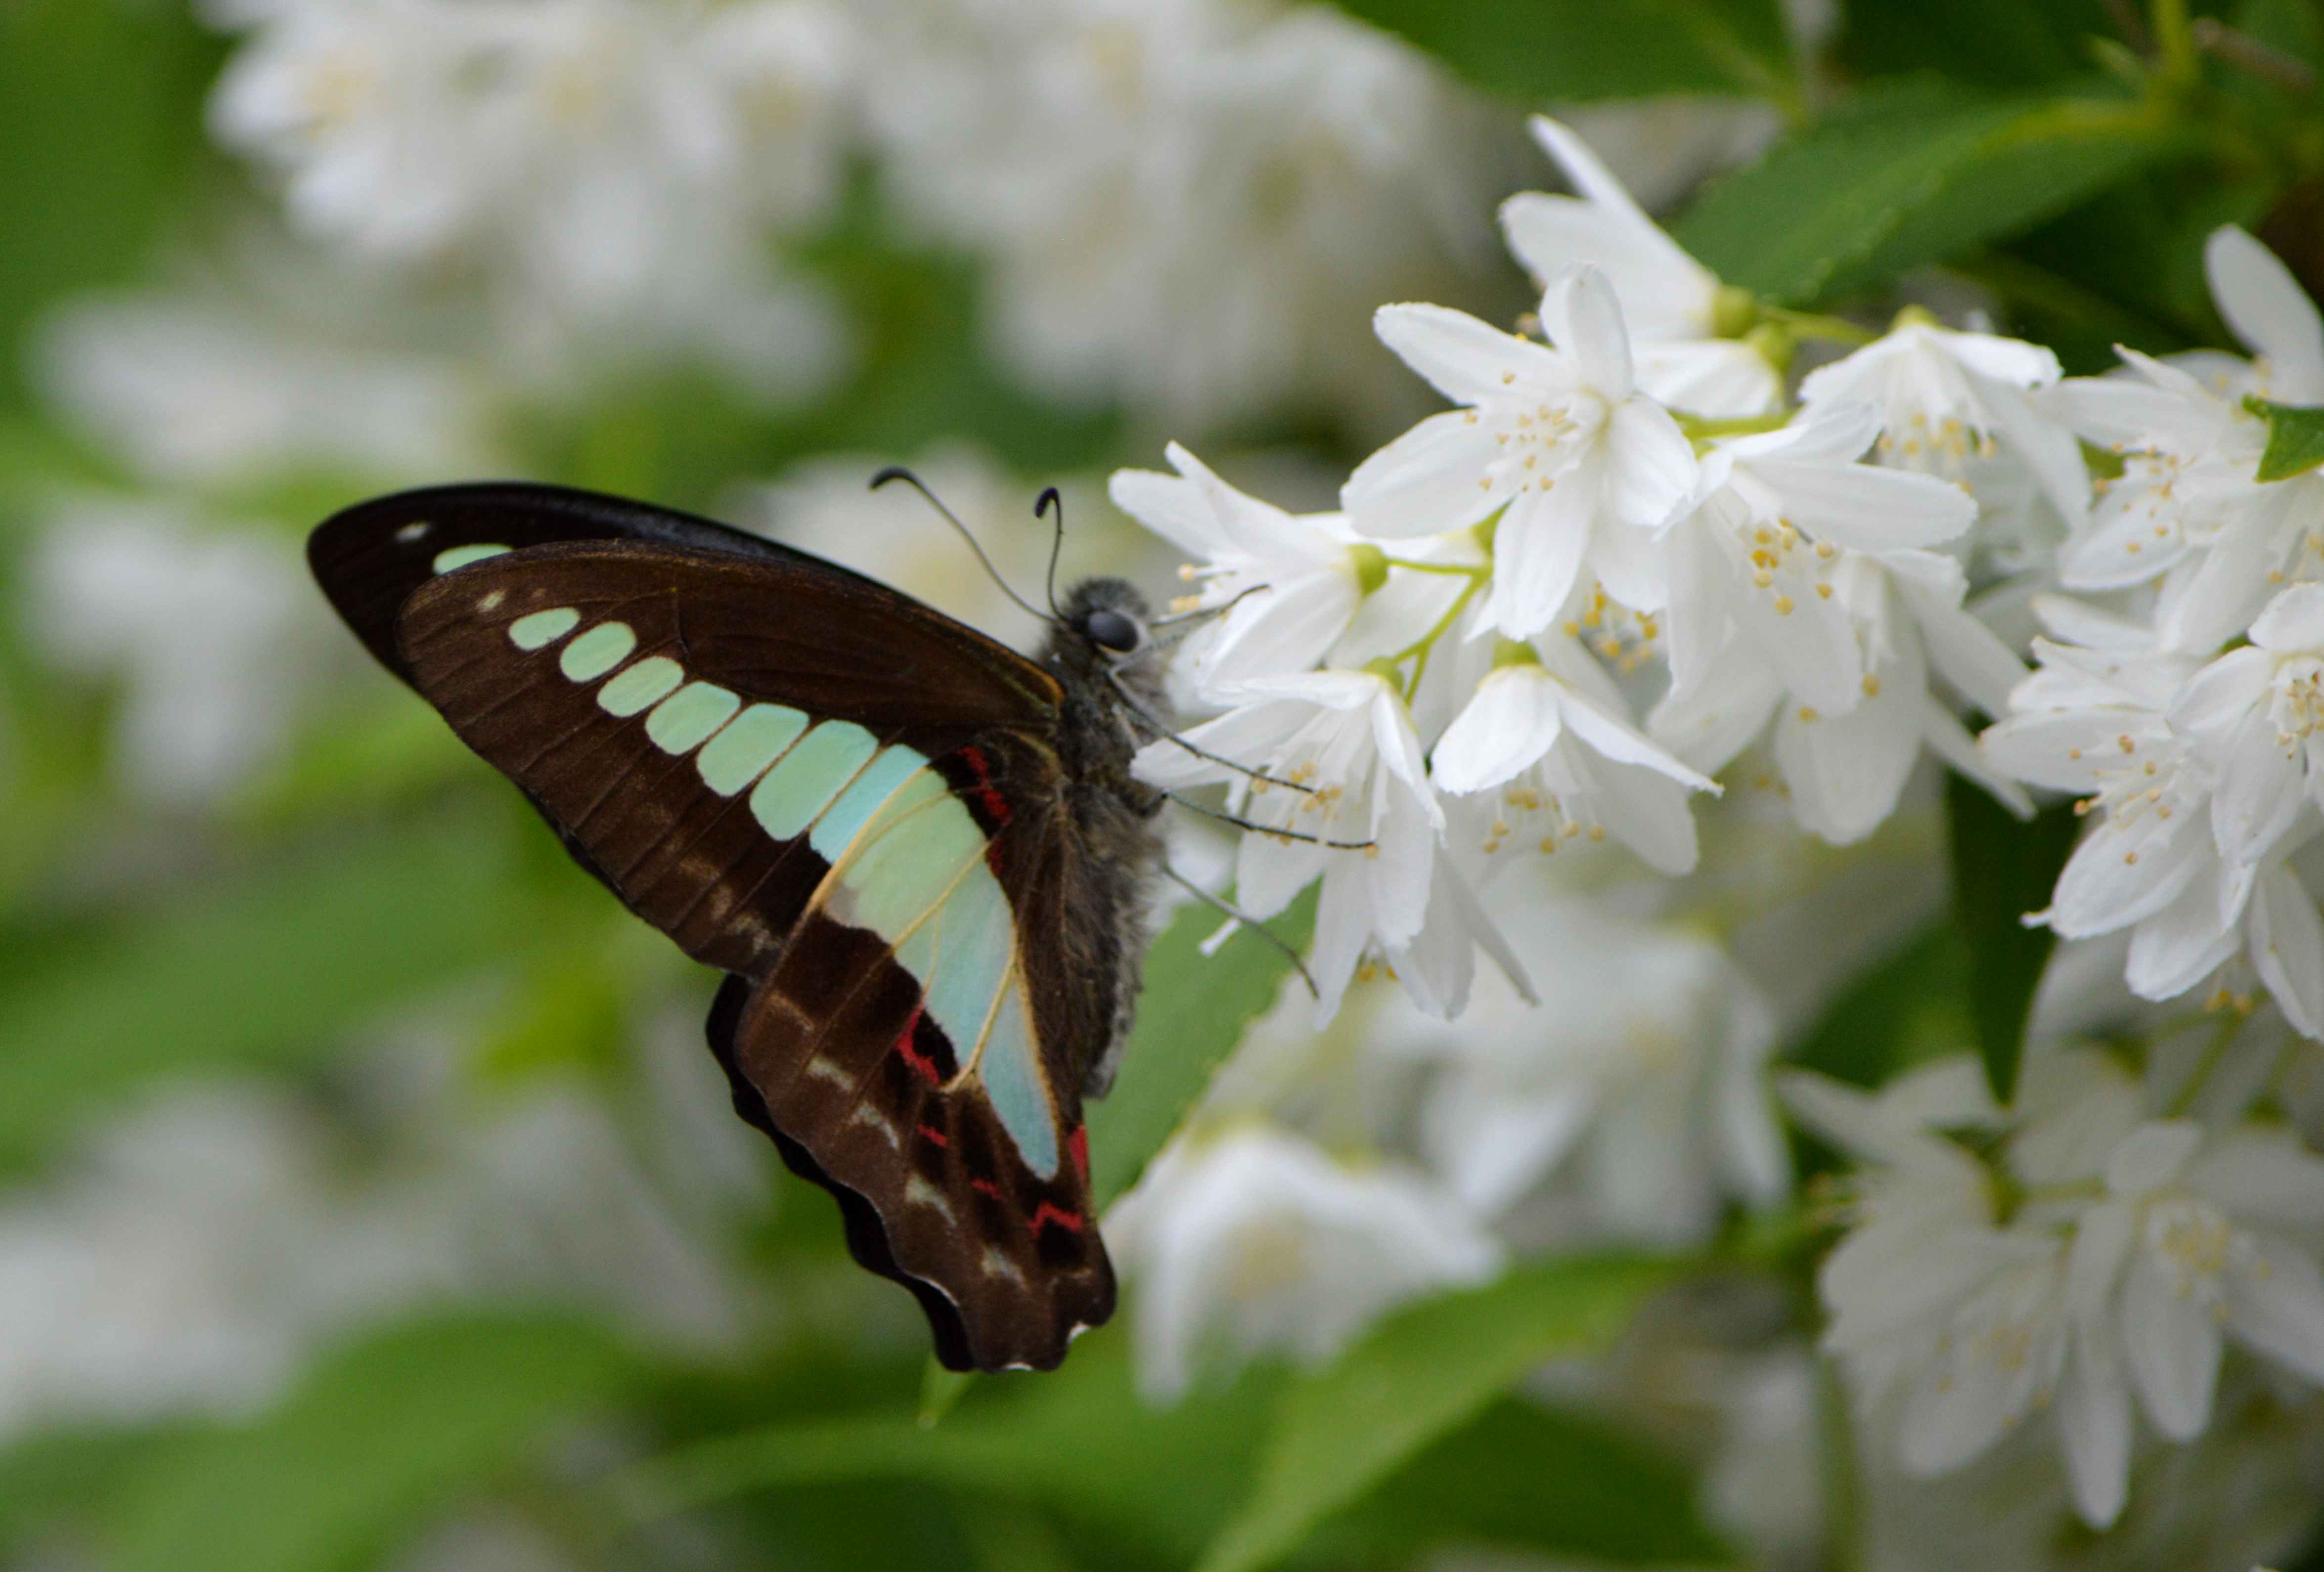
(1247, 920)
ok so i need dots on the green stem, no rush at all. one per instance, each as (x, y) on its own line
(1816, 325)
(1417, 651)
(2177, 62)
(2222, 1038)
(1470, 571)
(1702, 427)
(1844, 1481)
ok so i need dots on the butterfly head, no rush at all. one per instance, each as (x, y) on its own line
(1101, 629)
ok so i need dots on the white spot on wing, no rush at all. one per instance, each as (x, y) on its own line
(865, 1114)
(996, 1264)
(918, 1192)
(823, 1069)
(491, 602)
(412, 532)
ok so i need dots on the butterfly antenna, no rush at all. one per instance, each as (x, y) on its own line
(1050, 499)
(896, 472)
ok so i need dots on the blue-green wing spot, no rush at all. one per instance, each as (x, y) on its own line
(836, 827)
(1009, 1068)
(462, 555)
(597, 652)
(642, 687)
(797, 791)
(540, 629)
(908, 864)
(683, 722)
(752, 741)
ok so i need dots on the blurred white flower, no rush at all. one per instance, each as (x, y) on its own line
(1548, 728)
(1581, 466)
(2189, 507)
(1294, 582)
(1191, 206)
(1948, 398)
(1640, 1078)
(1344, 741)
(1685, 328)
(1254, 1237)
(616, 166)
(215, 634)
(186, 391)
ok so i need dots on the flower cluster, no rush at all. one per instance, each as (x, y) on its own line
(2194, 758)
(1638, 548)
(1436, 681)
(2095, 1254)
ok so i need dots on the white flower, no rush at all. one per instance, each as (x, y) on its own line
(188, 390)
(1546, 726)
(1801, 588)
(1685, 328)
(1253, 1236)
(2189, 506)
(2193, 1232)
(1638, 1079)
(1344, 741)
(1190, 207)
(1959, 1327)
(2254, 712)
(1294, 582)
(615, 167)
(217, 633)
(1581, 466)
(1946, 397)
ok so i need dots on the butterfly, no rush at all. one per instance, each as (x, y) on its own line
(918, 856)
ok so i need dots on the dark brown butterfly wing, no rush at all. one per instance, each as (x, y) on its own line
(848, 801)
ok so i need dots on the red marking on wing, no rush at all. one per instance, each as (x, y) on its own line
(935, 1134)
(922, 1065)
(986, 1186)
(1078, 1144)
(1071, 1222)
(988, 795)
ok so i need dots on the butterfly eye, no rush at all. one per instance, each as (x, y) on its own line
(1113, 631)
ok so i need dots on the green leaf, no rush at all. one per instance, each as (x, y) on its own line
(99, 106)
(1994, 43)
(1911, 179)
(1190, 1017)
(373, 1443)
(1910, 1007)
(1414, 1378)
(2003, 868)
(269, 969)
(56, 1476)
(1079, 1439)
(1583, 50)
(1524, 1478)
(2295, 438)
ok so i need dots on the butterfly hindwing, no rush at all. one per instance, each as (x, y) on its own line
(854, 805)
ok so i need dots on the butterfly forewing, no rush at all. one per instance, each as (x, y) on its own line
(840, 796)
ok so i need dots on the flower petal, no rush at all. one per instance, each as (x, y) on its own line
(2275, 1303)
(2287, 949)
(2094, 1424)
(1650, 465)
(2172, 1346)
(1537, 552)
(1468, 360)
(2294, 621)
(2269, 311)
(1509, 722)
(1429, 481)
(1582, 317)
